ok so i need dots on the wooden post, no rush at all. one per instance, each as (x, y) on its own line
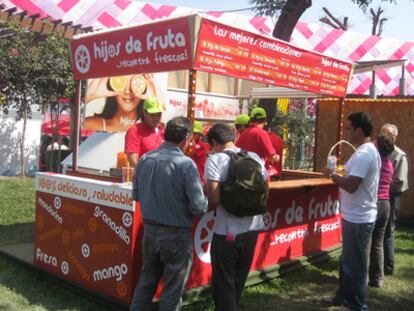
(192, 84)
(341, 125)
(76, 126)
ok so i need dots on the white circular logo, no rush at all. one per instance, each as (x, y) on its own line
(85, 250)
(82, 59)
(203, 236)
(64, 267)
(57, 202)
(127, 219)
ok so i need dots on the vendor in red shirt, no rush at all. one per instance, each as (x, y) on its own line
(256, 139)
(275, 169)
(241, 123)
(199, 150)
(147, 134)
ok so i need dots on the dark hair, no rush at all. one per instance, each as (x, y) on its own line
(111, 107)
(361, 120)
(221, 133)
(385, 145)
(178, 129)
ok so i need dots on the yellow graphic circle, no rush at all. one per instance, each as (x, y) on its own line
(92, 224)
(138, 84)
(121, 288)
(117, 83)
(65, 237)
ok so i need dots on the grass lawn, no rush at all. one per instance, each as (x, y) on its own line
(21, 289)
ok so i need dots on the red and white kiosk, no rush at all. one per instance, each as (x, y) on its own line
(88, 230)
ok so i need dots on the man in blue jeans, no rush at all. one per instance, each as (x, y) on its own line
(168, 188)
(358, 192)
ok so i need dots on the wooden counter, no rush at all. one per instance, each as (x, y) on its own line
(300, 183)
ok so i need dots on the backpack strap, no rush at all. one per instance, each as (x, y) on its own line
(231, 154)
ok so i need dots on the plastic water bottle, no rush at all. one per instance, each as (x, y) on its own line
(332, 161)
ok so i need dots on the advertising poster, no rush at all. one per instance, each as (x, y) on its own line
(207, 106)
(113, 104)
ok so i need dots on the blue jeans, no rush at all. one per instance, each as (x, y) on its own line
(356, 244)
(167, 253)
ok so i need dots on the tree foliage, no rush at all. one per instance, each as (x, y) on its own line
(34, 70)
(290, 11)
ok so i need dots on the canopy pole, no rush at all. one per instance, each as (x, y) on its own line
(76, 126)
(341, 125)
(402, 81)
(373, 87)
(192, 84)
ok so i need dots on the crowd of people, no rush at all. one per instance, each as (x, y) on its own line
(180, 172)
(368, 209)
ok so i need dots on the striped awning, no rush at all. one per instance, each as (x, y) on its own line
(38, 23)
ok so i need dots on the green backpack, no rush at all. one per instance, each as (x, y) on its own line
(245, 192)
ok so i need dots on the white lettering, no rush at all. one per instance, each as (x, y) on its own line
(168, 40)
(45, 258)
(116, 272)
(50, 210)
(118, 230)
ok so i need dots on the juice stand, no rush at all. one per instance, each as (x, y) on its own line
(88, 229)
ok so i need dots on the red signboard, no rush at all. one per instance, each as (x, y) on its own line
(298, 222)
(84, 233)
(241, 54)
(155, 47)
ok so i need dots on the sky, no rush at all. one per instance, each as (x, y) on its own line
(400, 24)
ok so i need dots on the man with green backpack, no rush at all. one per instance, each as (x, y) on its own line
(236, 183)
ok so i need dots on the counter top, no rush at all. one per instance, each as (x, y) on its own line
(300, 183)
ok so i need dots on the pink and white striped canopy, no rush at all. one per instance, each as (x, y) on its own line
(347, 45)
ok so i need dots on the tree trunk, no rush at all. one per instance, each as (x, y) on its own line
(22, 140)
(289, 17)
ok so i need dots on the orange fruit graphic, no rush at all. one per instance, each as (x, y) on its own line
(118, 83)
(66, 237)
(121, 288)
(138, 84)
(92, 224)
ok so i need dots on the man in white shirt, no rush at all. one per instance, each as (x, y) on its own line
(399, 184)
(234, 238)
(358, 194)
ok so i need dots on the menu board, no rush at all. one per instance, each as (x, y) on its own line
(234, 52)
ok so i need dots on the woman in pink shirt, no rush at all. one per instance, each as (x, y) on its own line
(385, 146)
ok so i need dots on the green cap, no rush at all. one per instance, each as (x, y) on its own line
(153, 105)
(198, 127)
(258, 113)
(242, 119)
